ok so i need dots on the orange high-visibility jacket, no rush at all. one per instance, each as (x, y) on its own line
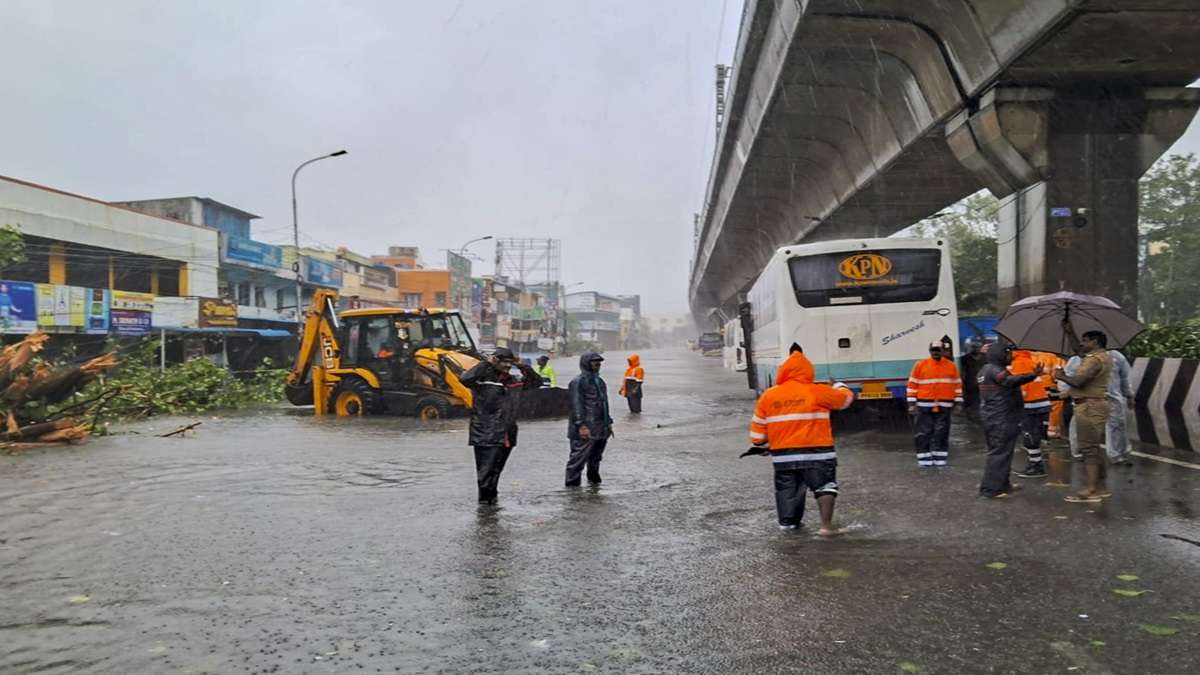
(792, 418)
(934, 383)
(634, 372)
(1036, 393)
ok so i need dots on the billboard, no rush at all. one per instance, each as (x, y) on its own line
(18, 307)
(175, 313)
(217, 313)
(247, 251)
(130, 313)
(96, 311)
(322, 273)
(61, 306)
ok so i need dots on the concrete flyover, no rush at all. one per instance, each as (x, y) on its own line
(857, 118)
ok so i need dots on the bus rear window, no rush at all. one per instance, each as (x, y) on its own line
(866, 277)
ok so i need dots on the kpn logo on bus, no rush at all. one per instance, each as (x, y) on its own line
(865, 267)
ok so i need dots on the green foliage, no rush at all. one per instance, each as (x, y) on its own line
(192, 387)
(1169, 223)
(12, 247)
(1181, 340)
(970, 227)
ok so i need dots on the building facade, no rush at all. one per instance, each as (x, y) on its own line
(595, 317)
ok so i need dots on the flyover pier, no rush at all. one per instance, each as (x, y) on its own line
(858, 118)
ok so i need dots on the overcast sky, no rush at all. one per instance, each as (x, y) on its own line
(588, 121)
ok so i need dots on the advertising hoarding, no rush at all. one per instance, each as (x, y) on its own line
(18, 307)
(324, 273)
(246, 251)
(217, 313)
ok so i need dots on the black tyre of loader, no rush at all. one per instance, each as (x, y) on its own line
(433, 408)
(354, 397)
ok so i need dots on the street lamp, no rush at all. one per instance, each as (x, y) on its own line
(462, 251)
(296, 234)
(463, 248)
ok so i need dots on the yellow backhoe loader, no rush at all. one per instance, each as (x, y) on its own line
(388, 360)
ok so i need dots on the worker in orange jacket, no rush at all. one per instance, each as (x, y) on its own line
(791, 423)
(631, 387)
(934, 388)
(1036, 421)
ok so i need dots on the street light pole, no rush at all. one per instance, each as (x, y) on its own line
(296, 235)
(462, 250)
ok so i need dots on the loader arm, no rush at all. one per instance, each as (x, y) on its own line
(319, 338)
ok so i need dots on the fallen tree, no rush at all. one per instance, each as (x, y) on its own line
(32, 389)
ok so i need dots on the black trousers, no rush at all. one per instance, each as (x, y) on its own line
(585, 454)
(1034, 427)
(635, 402)
(489, 463)
(932, 437)
(1001, 441)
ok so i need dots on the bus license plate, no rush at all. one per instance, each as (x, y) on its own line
(874, 390)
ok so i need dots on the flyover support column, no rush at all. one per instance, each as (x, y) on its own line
(1066, 167)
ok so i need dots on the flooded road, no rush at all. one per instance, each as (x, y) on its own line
(276, 542)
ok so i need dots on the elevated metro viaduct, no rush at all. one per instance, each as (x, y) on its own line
(858, 118)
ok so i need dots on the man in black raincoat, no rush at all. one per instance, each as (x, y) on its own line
(1002, 410)
(494, 415)
(590, 424)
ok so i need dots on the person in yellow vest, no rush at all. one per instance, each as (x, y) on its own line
(934, 388)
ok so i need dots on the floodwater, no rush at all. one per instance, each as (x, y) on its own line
(277, 542)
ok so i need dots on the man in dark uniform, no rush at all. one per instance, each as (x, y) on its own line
(970, 364)
(1002, 411)
(493, 415)
(590, 424)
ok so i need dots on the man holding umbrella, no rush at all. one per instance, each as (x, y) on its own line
(1089, 390)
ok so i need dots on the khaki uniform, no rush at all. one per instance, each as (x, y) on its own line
(1091, 404)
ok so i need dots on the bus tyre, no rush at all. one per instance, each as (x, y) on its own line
(353, 397)
(298, 394)
(433, 408)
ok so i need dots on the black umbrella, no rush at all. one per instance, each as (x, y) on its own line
(1036, 323)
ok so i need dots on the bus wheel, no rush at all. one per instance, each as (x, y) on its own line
(433, 408)
(353, 397)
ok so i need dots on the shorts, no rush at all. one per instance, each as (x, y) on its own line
(819, 476)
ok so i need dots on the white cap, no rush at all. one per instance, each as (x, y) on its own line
(937, 343)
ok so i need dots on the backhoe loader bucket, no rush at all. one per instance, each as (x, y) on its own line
(545, 402)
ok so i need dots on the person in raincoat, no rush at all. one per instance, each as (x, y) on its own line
(589, 425)
(791, 423)
(1036, 420)
(546, 371)
(970, 364)
(1002, 411)
(493, 432)
(1120, 400)
(631, 387)
(934, 388)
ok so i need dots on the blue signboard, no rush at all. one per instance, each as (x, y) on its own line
(96, 311)
(324, 273)
(18, 307)
(129, 322)
(243, 250)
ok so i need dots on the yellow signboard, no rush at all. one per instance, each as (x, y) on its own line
(866, 269)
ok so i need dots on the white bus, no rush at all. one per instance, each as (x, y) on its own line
(864, 311)
(735, 349)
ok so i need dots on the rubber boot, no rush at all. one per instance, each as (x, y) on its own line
(1059, 470)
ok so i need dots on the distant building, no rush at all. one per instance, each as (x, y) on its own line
(401, 258)
(84, 242)
(252, 273)
(595, 317)
(422, 288)
(670, 328)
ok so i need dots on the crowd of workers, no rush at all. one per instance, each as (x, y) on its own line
(1018, 395)
(493, 429)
